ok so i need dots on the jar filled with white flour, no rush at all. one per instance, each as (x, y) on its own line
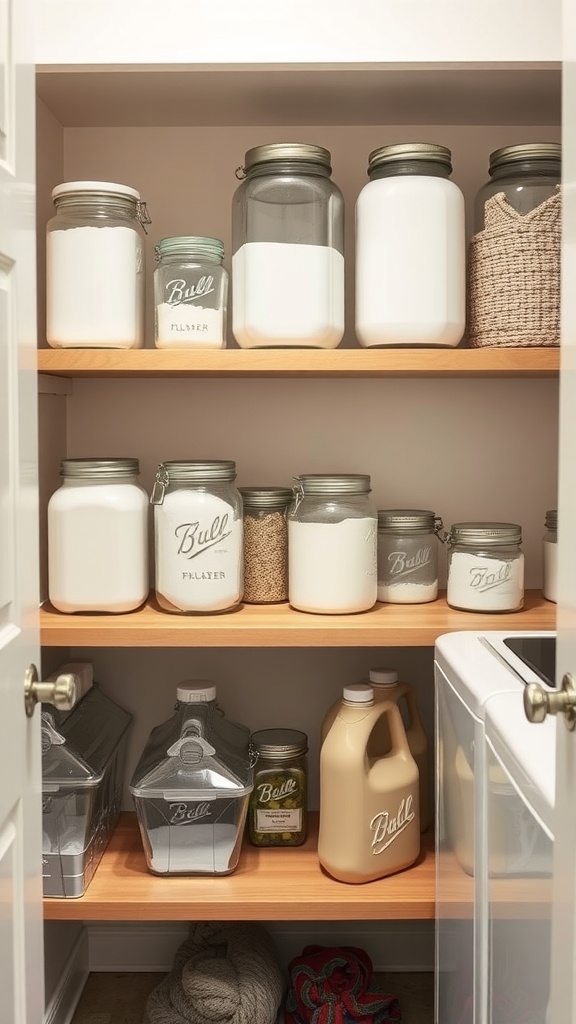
(288, 250)
(198, 537)
(408, 555)
(190, 293)
(485, 567)
(95, 266)
(550, 557)
(332, 534)
(98, 537)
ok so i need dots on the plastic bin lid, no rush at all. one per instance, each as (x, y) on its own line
(193, 770)
(194, 691)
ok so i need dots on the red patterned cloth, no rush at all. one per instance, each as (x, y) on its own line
(335, 985)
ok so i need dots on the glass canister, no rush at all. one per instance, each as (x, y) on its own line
(332, 544)
(98, 537)
(198, 537)
(265, 544)
(95, 266)
(410, 249)
(550, 557)
(527, 174)
(485, 567)
(408, 555)
(190, 293)
(288, 250)
(279, 801)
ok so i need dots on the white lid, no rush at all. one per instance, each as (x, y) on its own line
(94, 186)
(196, 691)
(383, 676)
(358, 693)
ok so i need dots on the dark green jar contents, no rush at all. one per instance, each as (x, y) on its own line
(277, 814)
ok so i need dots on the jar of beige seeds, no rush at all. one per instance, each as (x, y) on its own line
(265, 544)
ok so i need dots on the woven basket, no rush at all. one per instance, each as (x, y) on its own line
(514, 276)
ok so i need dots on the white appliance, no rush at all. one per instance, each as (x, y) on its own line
(494, 799)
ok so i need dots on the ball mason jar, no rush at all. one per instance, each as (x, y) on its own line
(408, 555)
(288, 250)
(332, 551)
(95, 266)
(198, 537)
(277, 812)
(265, 544)
(98, 537)
(190, 293)
(550, 556)
(527, 174)
(485, 567)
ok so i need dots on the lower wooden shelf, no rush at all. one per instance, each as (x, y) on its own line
(268, 885)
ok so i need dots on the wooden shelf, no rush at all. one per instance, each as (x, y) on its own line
(280, 626)
(352, 362)
(268, 885)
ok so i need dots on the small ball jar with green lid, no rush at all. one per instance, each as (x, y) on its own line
(277, 814)
(265, 544)
(190, 293)
(527, 174)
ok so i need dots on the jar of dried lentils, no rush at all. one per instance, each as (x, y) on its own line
(279, 801)
(265, 544)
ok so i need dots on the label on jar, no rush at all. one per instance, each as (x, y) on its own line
(277, 807)
(479, 582)
(279, 821)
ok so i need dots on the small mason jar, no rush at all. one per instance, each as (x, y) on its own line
(265, 544)
(485, 567)
(277, 813)
(550, 556)
(527, 174)
(332, 550)
(98, 537)
(95, 266)
(198, 537)
(408, 555)
(190, 293)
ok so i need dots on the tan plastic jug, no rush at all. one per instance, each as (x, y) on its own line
(369, 814)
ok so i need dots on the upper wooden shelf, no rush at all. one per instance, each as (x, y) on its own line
(353, 362)
(390, 625)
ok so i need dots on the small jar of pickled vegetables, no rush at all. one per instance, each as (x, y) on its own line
(278, 803)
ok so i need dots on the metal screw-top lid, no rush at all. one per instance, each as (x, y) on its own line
(383, 676)
(551, 520)
(358, 693)
(197, 691)
(343, 483)
(525, 152)
(410, 151)
(485, 533)
(408, 519)
(297, 151)
(266, 497)
(198, 472)
(96, 469)
(280, 744)
(192, 246)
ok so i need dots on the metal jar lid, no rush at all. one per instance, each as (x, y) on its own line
(97, 469)
(280, 744)
(342, 483)
(408, 519)
(191, 246)
(266, 497)
(551, 520)
(410, 151)
(485, 533)
(295, 151)
(199, 472)
(525, 152)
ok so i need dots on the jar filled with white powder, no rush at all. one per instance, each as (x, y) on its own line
(332, 533)
(408, 555)
(190, 293)
(198, 537)
(98, 537)
(95, 266)
(288, 250)
(485, 567)
(550, 557)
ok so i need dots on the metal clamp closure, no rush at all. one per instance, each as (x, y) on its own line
(160, 485)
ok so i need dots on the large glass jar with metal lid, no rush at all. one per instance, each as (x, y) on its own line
(98, 537)
(190, 293)
(198, 537)
(288, 250)
(408, 555)
(527, 174)
(279, 801)
(550, 556)
(95, 266)
(485, 567)
(332, 534)
(265, 544)
(410, 249)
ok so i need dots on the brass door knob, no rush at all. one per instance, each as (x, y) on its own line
(539, 702)
(61, 692)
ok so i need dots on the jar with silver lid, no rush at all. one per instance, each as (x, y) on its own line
(279, 801)
(485, 567)
(265, 544)
(408, 555)
(95, 266)
(98, 537)
(190, 293)
(288, 250)
(198, 537)
(550, 557)
(527, 174)
(332, 534)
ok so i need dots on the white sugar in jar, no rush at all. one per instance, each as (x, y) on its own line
(550, 557)
(485, 567)
(408, 555)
